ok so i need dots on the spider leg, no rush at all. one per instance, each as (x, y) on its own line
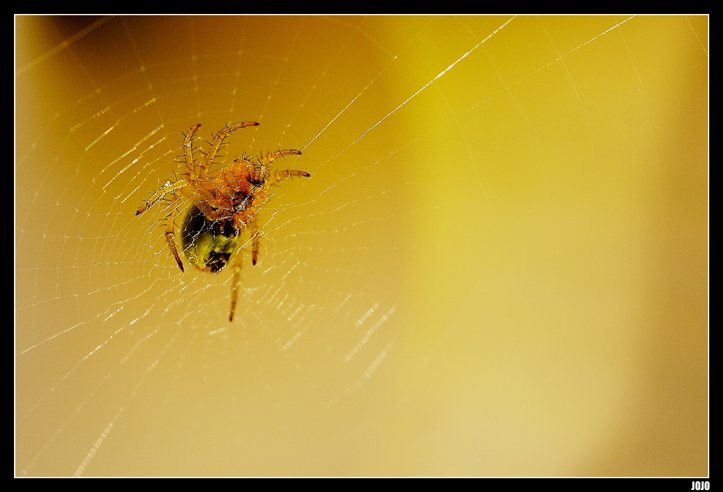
(272, 156)
(200, 197)
(207, 203)
(217, 142)
(255, 236)
(237, 262)
(188, 151)
(169, 231)
(167, 189)
(279, 176)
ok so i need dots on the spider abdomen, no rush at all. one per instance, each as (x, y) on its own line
(208, 245)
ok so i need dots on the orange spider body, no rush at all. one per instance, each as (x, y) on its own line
(239, 192)
(224, 203)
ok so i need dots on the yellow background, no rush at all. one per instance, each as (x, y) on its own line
(498, 267)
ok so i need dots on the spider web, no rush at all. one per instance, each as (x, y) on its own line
(498, 266)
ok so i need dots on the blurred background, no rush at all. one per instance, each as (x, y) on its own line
(499, 266)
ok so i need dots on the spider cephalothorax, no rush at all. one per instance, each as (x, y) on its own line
(223, 204)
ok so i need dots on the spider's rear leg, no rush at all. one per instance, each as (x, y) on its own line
(237, 262)
(255, 236)
(169, 235)
(172, 245)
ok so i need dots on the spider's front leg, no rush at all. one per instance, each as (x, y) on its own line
(188, 153)
(220, 136)
(272, 156)
(279, 176)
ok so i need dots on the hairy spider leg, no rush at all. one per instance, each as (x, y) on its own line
(255, 236)
(210, 203)
(188, 152)
(280, 176)
(167, 189)
(217, 143)
(237, 263)
(276, 177)
(204, 194)
(272, 156)
(199, 196)
(174, 210)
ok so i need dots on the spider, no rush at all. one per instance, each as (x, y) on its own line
(223, 203)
